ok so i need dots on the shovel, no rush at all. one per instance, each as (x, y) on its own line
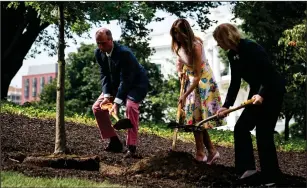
(180, 111)
(120, 123)
(198, 127)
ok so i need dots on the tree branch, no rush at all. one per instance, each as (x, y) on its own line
(18, 32)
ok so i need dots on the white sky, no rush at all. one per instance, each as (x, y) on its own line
(222, 14)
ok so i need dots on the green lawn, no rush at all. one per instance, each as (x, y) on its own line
(14, 179)
(219, 137)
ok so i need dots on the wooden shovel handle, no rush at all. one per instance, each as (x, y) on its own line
(179, 109)
(243, 105)
(182, 82)
(108, 106)
(115, 116)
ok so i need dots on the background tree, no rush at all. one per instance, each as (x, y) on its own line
(133, 18)
(268, 23)
(83, 79)
(83, 87)
(266, 27)
(48, 95)
(294, 44)
(28, 21)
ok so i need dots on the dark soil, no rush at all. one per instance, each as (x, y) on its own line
(22, 136)
(65, 161)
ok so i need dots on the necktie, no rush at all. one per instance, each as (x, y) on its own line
(110, 68)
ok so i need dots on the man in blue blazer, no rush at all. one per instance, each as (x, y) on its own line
(124, 80)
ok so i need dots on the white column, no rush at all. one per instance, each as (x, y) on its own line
(216, 65)
(210, 57)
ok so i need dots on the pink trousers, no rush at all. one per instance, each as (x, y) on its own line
(104, 122)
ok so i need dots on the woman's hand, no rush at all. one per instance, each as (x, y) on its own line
(257, 99)
(182, 100)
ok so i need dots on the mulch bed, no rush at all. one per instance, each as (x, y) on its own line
(22, 136)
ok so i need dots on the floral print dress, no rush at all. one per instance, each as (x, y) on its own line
(204, 100)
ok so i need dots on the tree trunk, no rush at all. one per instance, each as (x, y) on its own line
(287, 120)
(20, 32)
(305, 133)
(60, 135)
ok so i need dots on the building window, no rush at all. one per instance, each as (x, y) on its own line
(42, 84)
(34, 87)
(50, 79)
(26, 88)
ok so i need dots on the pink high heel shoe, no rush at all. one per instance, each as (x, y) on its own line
(203, 160)
(214, 158)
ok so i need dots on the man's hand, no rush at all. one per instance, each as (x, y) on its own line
(221, 112)
(114, 109)
(257, 99)
(105, 101)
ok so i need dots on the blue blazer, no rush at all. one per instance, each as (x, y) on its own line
(128, 78)
(252, 64)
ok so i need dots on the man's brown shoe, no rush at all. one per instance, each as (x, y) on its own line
(131, 152)
(115, 146)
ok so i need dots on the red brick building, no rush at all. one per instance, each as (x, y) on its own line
(33, 83)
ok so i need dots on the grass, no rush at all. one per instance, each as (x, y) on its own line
(14, 179)
(219, 137)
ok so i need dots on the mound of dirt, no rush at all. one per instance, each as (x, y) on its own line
(165, 164)
(182, 165)
(22, 136)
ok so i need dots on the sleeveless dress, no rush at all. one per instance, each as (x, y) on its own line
(204, 100)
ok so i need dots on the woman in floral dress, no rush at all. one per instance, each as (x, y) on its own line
(201, 98)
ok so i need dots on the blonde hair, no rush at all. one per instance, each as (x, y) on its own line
(183, 28)
(228, 34)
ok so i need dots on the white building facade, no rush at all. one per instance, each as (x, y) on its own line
(14, 94)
